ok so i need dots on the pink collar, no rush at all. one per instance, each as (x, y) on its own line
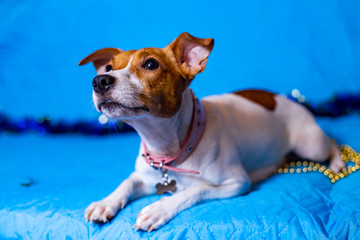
(197, 129)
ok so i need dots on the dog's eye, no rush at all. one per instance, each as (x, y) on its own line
(151, 64)
(108, 68)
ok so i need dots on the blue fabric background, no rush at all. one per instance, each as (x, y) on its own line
(313, 46)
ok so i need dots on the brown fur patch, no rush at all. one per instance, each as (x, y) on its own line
(263, 98)
(182, 45)
(104, 55)
(162, 87)
(121, 60)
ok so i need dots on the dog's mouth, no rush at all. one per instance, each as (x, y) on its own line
(112, 105)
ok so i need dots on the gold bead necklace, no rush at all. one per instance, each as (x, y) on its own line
(348, 155)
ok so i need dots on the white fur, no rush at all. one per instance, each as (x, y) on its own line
(126, 91)
(243, 143)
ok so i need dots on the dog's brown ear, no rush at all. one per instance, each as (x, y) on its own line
(191, 53)
(100, 58)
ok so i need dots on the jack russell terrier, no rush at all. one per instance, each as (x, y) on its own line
(198, 150)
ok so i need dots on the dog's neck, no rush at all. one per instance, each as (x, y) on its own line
(165, 136)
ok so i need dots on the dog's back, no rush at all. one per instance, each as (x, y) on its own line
(264, 128)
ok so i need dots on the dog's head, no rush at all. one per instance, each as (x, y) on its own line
(136, 83)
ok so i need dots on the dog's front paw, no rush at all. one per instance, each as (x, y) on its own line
(102, 211)
(154, 216)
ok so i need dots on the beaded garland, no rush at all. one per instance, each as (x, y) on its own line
(348, 155)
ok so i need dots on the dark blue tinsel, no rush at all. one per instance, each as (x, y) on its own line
(44, 125)
(341, 104)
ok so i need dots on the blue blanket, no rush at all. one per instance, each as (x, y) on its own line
(68, 174)
(47, 181)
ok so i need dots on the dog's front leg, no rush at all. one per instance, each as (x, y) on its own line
(129, 189)
(157, 214)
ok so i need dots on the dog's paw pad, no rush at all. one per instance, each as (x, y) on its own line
(101, 211)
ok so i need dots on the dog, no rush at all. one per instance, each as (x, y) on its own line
(195, 150)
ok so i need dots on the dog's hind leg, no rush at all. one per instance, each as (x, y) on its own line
(336, 163)
(311, 143)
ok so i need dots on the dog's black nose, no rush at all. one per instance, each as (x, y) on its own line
(101, 83)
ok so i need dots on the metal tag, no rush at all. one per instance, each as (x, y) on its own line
(166, 187)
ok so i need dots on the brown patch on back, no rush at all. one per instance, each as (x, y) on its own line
(263, 98)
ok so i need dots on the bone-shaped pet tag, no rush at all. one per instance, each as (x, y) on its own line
(166, 187)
